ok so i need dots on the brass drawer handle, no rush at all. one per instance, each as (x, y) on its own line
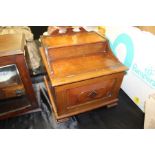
(92, 94)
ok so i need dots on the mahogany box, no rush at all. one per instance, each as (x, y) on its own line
(16, 91)
(82, 72)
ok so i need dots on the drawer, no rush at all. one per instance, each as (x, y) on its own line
(87, 94)
(12, 91)
(90, 92)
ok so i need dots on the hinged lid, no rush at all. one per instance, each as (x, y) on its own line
(71, 39)
(11, 44)
(78, 56)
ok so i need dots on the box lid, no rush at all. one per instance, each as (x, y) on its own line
(81, 68)
(71, 39)
(11, 44)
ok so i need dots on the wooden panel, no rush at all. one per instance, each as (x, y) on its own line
(13, 106)
(26, 79)
(12, 91)
(73, 39)
(1, 94)
(81, 68)
(11, 44)
(20, 62)
(87, 107)
(73, 51)
(78, 65)
(83, 72)
(12, 52)
(73, 96)
(51, 97)
(78, 109)
(90, 92)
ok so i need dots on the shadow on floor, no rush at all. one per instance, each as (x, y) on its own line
(124, 116)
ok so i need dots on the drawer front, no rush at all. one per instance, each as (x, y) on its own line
(90, 92)
(2, 95)
(12, 91)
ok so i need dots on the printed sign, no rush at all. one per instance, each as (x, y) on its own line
(134, 48)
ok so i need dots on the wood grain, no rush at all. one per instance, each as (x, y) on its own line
(12, 52)
(11, 44)
(70, 40)
(83, 72)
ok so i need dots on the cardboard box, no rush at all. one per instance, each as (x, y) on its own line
(149, 122)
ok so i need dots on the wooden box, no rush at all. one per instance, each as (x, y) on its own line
(16, 92)
(83, 74)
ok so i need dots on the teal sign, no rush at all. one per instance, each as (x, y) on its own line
(147, 75)
(127, 41)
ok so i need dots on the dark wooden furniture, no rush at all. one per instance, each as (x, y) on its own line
(16, 92)
(83, 73)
